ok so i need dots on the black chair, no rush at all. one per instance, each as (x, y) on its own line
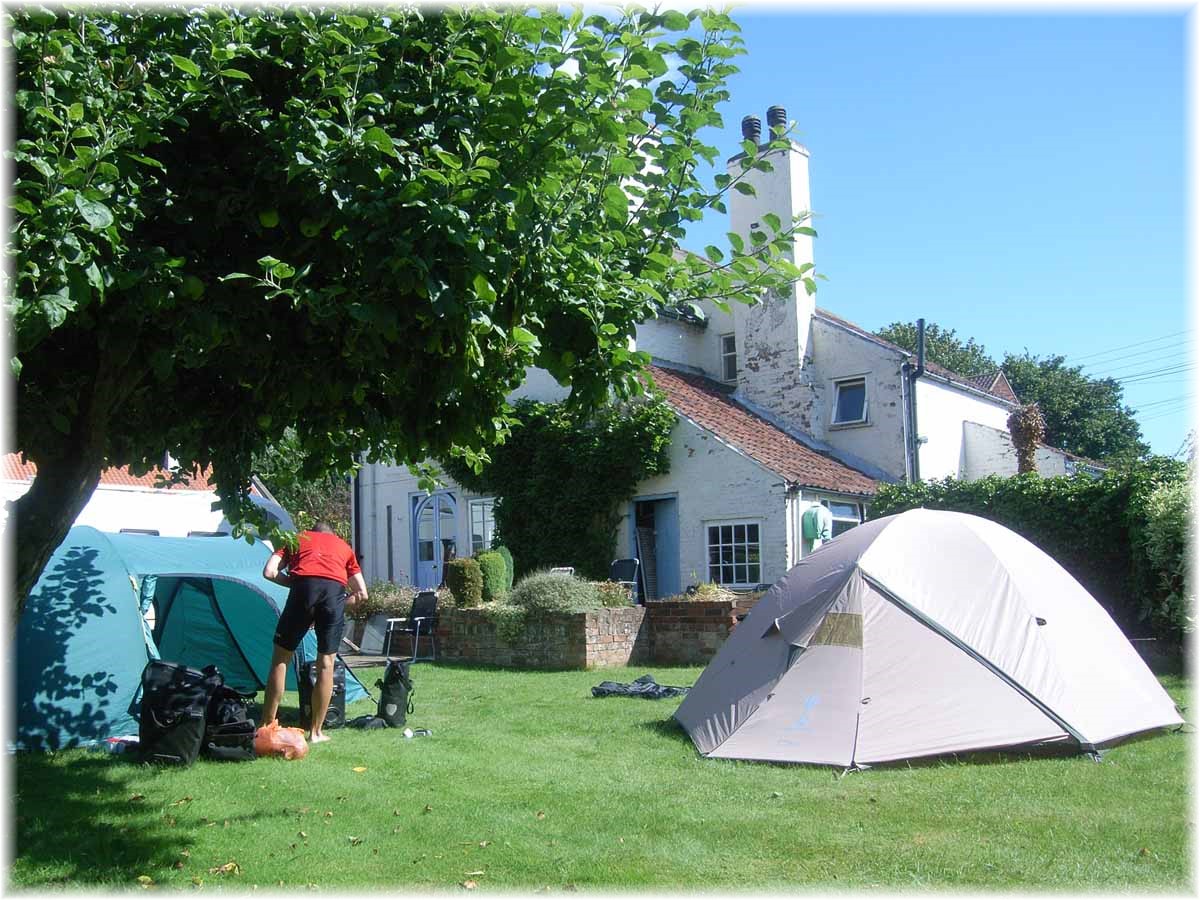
(421, 620)
(625, 571)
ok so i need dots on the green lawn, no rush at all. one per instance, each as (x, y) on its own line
(529, 782)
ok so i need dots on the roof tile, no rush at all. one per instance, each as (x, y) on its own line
(14, 469)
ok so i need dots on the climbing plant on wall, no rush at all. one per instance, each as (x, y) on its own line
(559, 479)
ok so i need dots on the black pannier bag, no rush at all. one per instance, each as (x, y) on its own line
(174, 711)
(336, 716)
(395, 693)
(229, 730)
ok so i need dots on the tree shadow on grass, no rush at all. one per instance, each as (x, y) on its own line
(667, 728)
(77, 821)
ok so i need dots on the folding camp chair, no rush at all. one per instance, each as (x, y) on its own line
(625, 572)
(563, 570)
(421, 620)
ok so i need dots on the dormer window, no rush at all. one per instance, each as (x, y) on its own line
(728, 358)
(850, 401)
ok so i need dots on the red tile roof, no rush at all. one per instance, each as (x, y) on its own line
(995, 383)
(14, 469)
(709, 404)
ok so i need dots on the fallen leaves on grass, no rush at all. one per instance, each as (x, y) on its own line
(178, 864)
(329, 813)
(359, 769)
(304, 834)
(136, 798)
(474, 874)
(230, 868)
(197, 881)
(182, 800)
(539, 815)
(145, 880)
(354, 841)
(427, 809)
(484, 843)
(470, 885)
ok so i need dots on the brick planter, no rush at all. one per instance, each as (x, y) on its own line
(689, 633)
(604, 637)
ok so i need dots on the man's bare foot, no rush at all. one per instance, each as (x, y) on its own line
(316, 738)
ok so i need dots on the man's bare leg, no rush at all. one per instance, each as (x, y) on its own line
(322, 693)
(276, 681)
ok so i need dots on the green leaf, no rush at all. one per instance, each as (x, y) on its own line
(75, 112)
(379, 139)
(186, 65)
(743, 187)
(193, 287)
(21, 205)
(268, 218)
(772, 221)
(95, 213)
(484, 289)
(674, 20)
(236, 74)
(282, 270)
(615, 203)
(523, 336)
(448, 159)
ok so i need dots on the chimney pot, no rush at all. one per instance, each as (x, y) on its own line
(752, 129)
(776, 118)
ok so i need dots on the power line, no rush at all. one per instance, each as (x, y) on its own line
(1161, 402)
(1151, 374)
(1127, 346)
(1169, 359)
(1169, 347)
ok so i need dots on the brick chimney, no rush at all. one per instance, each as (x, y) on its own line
(773, 336)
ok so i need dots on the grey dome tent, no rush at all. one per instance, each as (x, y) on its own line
(84, 638)
(921, 634)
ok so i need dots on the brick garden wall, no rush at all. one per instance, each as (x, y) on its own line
(605, 637)
(663, 633)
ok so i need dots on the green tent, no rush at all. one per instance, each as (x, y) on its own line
(85, 635)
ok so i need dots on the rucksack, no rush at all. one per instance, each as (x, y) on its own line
(335, 717)
(173, 711)
(395, 693)
(228, 730)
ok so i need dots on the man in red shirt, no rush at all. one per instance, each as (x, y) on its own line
(318, 573)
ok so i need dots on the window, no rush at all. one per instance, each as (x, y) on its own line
(728, 358)
(734, 555)
(850, 401)
(845, 515)
(482, 524)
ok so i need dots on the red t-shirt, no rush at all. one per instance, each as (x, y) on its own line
(320, 555)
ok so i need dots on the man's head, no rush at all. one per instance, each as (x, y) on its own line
(323, 527)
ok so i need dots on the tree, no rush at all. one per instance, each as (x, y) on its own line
(362, 225)
(942, 346)
(1084, 415)
(308, 500)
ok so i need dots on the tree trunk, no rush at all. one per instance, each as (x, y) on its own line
(45, 513)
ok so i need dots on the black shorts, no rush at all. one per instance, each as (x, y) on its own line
(319, 602)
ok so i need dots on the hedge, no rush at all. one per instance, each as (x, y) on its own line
(1098, 529)
(494, 573)
(465, 581)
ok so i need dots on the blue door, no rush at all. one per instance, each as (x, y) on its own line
(666, 546)
(435, 537)
(655, 522)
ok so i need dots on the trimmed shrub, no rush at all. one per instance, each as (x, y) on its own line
(493, 572)
(554, 592)
(508, 566)
(465, 581)
(1168, 534)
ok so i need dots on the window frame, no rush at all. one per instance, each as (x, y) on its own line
(828, 502)
(838, 384)
(726, 355)
(488, 525)
(733, 544)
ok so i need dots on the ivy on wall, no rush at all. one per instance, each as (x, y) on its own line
(1107, 532)
(559, 479)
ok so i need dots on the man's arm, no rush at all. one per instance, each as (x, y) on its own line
(271, 571)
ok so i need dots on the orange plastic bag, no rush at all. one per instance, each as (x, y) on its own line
(271, 740)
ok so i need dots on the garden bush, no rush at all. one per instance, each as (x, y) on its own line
(494, 575)
(508, 566)
(612, 593)
(1168, 534)
(465, 582)
(391, 599)
(1098, 529)
(554, 592)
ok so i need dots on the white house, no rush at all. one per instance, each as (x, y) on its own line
(781, 406)
(126, 502)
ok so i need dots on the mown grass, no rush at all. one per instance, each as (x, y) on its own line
(529, 782)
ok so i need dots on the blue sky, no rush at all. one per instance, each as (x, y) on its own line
(1019, 178)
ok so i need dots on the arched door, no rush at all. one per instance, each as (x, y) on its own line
(435, 537)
